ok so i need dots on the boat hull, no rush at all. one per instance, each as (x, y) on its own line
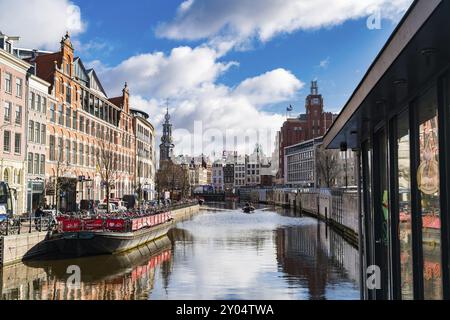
(86, 243)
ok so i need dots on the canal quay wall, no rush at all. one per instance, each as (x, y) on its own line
(16, 248)
(338, 208)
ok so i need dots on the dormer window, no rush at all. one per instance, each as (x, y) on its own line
(8, 47)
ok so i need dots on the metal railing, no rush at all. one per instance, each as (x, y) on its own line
(23, 225)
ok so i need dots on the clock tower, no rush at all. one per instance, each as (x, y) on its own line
(314, 112)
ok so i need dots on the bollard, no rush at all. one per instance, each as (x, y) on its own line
(29, 231)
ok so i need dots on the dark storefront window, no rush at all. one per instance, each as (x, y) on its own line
(381, 212)
(404, 207)
(429, 188)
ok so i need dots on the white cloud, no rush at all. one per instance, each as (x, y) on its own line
(40, 23)
(240, 20)
(159, 75)
(189, 77)
(272, 87)
(324, 63)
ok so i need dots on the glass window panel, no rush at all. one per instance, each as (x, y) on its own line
(429, 187)
(404, 206)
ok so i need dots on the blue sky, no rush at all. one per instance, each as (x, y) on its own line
(229, 68)
(349, 48)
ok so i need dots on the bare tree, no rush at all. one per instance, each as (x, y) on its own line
(327, 164)
(107, 166)
(59, 184)
(172, 177)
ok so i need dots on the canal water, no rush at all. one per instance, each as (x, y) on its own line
(220, 254)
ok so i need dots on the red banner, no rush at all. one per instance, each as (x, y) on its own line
(135, 224)
(71, 225)
(93, 224)
(115, 225)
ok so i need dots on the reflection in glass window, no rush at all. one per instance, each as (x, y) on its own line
(404, 206)
(428, 183)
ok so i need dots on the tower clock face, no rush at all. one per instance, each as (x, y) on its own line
(315, 101)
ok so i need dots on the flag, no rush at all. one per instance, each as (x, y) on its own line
(290, 108)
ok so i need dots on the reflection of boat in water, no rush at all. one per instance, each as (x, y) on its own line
(248, 208)
(109, 267)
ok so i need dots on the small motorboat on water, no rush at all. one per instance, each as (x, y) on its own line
(248, 208)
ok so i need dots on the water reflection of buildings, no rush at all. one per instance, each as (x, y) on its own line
(127, 276)
(318, 256)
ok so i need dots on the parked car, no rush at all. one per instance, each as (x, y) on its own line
(103, 208)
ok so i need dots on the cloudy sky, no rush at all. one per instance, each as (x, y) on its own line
(228, 68)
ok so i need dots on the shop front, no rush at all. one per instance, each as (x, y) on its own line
(398, 120)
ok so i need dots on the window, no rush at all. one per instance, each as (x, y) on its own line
(31, 100)
(8, 80)
(30, 163)
(7, 141)
(18, 115)
(74, 152)
(52, 113)
(7, 116)
(31, 131)
(17, 143)
(69, 95)
(67, 150)
(44, 105)
(38, 103)
(428, 181)
(86, 148)
(81, 154)
(61, 115)
(52, 148)
(42, 171)
(43, 134)
(81, 123)
(74, 123)
(37, 132)
(61, 86)
(36, 163)
(60, 149)
(19, 87)
(68, 117)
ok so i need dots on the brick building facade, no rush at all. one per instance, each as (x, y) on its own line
(81, 125)
(315, 123)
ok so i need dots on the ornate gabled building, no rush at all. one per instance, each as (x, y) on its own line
(83, 124)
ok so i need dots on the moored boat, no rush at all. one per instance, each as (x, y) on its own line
(78, 237)
(248, 208)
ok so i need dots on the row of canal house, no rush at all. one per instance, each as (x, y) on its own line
(58, 126)
(398, 121)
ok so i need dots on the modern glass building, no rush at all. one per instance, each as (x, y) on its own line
(398, 120)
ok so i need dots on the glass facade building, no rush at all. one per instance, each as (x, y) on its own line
(398, 121)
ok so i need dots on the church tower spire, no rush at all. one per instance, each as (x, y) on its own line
(166, 147)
